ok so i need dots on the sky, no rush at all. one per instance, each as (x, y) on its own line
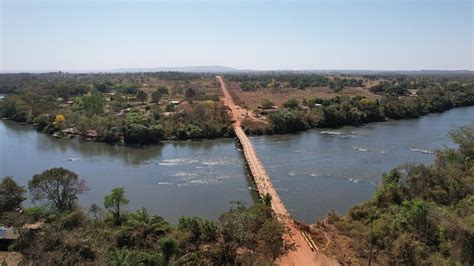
(73, 35)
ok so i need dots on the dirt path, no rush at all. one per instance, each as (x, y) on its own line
(302, 253)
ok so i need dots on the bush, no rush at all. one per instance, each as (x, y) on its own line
(286, 121)
(37, 212)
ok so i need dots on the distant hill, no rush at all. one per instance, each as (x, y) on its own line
(224, 69)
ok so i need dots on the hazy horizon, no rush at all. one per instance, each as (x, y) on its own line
(73, 36)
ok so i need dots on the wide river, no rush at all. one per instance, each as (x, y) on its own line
(314, 171)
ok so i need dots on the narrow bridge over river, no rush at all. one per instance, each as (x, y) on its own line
(305, 252)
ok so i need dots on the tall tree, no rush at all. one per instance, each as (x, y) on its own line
(142, 96)
(113, 201)
(11, 194)
(190, 94)
(156, 96)
(59, 186)
(93, 104)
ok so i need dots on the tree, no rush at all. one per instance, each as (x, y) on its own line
(59, 119)
(267, 104)
(11, 194)
(163, 90)
(156, 96)
(142, 96)
(291, 103)
(59, 186)
(93, 104)
(286, 121)
(169, 247)
(190, 94)
(271, 234)
(113, 201)
(267, 200)
(96, 211)
(102, 87)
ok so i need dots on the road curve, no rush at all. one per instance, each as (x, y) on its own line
(303, 252)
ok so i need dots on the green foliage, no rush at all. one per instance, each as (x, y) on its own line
(291, 103)
(389, 89)
(72, 237)
(419, 214)
(103, 87)
(267, 104)
(142, 96)
(15, 108)
(199, 230)
(113, 201)
(163, 90)
(93, 104)
(169, 247)
(249, 228)
(59, 186)
(190, 94)
(113, 135)
(286, 121)
(11, 195)
(35, 213)
(156, 96)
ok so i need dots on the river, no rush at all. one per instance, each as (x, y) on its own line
(314, 171)
(319, 170)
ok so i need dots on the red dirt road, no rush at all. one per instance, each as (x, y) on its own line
(303, 253)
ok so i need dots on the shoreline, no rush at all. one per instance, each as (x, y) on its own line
(170, 141)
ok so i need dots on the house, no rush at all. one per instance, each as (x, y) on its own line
(175, 102)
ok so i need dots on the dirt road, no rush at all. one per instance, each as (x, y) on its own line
(303, 253)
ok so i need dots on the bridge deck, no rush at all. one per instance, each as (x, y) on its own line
(304, 252)
(261, 178)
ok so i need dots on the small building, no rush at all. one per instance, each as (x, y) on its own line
(175, 102)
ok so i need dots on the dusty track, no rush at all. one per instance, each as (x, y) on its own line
(302, 252)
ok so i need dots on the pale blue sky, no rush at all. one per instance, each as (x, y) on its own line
(110, 34)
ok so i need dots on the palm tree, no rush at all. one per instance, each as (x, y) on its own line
(146, 227)
(121, 257)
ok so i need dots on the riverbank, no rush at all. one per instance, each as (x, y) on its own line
(319, 170)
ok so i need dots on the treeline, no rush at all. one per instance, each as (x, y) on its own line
(117, 110)
(252, 82)
(419, 215)
(109, 235)
(10, 83)
(343, 110)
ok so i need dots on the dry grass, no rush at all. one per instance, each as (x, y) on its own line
(205, 86)
(252, 99)
(337, 245)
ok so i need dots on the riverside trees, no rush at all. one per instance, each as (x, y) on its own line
(69, 236)
(11, 195)
(344, 110)
(419, 214)
(59, 186)
(114, 108)
(113, 201)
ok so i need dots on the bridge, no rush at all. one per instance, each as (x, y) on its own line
(305, 252)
